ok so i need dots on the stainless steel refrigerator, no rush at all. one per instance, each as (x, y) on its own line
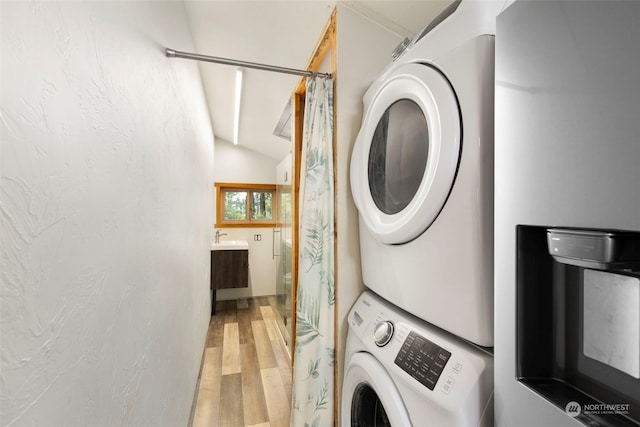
(567, 214)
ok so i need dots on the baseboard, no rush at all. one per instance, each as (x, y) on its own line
(195, 393)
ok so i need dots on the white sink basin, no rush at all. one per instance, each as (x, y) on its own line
(230, 245)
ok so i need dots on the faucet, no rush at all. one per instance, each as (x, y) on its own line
(218, 234)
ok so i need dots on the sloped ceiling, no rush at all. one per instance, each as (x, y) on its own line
(282, 33)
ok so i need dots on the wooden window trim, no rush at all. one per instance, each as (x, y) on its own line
(230, 186)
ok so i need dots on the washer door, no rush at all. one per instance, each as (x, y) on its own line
(406, 154)
(369, 396)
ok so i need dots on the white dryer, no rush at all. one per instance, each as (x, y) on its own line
(422, 176)
(401, 371)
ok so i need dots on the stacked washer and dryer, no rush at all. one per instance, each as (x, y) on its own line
(419, 343)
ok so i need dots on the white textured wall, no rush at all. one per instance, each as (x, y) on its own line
(239, 164)
(106, 215)
(363, 50)
(235, 163)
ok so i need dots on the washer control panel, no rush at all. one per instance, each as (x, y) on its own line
(422, 359)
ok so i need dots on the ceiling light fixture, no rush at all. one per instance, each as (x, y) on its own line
(236, 111)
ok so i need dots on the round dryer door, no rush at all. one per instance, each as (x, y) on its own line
(406, 154)
(369, 396)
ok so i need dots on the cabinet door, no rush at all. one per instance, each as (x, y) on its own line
(229, 269)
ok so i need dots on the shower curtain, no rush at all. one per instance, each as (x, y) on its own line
(313, 370)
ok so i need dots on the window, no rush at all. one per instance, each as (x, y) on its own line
(245, 205)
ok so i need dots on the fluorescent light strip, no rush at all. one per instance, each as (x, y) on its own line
(236, 117)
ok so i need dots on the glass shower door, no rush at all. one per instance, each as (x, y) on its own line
(282, 250)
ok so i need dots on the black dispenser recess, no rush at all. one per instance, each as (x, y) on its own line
(578, 320)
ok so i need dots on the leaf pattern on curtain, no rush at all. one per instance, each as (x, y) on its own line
(307, 319)
(313, 371)
(315, 238)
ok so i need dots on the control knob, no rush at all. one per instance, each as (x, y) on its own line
(383, 333)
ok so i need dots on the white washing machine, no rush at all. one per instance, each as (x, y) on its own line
(402, 372)
(422, 176)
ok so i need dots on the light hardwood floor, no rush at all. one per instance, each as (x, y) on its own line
(246, 373)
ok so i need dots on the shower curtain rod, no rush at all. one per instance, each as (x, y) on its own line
(177, 54)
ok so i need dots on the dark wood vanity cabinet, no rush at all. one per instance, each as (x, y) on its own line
(229, 269)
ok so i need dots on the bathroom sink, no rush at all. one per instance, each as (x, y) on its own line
(230, 245)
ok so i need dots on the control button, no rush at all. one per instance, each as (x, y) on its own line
(447, 385)
(433, 377)
(457, 367)
(429, 383)
(383, 333)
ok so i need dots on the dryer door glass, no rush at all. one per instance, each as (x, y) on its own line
(398, 156)
(367, 409)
